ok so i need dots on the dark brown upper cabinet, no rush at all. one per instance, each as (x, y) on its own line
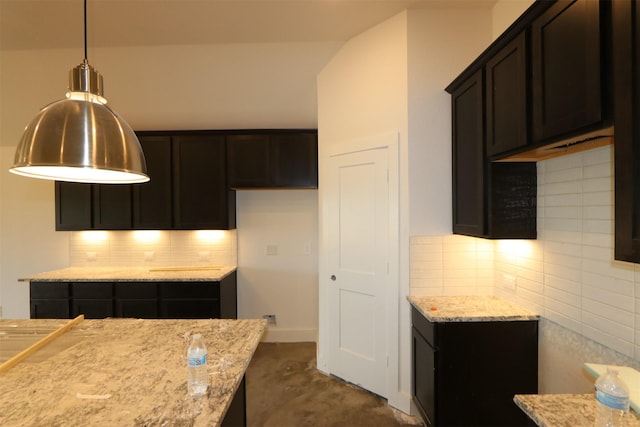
(112, 207)
(567, 70)
(74, 206)
(187, 190)
(467, 103)
(490, 199)
(273, 160)
(626, 69)
(200, 191)
(153, 200)
(506, 98)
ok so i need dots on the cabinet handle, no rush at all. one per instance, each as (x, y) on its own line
(333, 277)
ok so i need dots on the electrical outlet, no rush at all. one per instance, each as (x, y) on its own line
(91, 256)
(149, 256)
(509, 281)
(271, 318)
(204, 255)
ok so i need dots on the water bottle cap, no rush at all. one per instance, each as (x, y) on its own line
(197, 336)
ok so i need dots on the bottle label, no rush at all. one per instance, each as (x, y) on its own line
(615, 402)
(197, 361)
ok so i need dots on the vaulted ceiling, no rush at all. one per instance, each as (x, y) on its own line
(49, 24)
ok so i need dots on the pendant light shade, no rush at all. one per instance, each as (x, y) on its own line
(80, 139)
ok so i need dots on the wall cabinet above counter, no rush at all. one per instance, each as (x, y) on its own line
(559, 80)
(193, 177)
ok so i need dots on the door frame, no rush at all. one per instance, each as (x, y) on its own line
(390, 142)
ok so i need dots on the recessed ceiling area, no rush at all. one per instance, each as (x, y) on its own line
(52, 24)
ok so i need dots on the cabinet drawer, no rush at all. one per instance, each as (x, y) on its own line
(92, 290)
(44, 290)
(136, 290)
(178, 290)
(423, 326)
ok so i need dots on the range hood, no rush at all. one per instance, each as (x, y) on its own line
(583, 142)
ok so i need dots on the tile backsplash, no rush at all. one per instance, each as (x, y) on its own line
(568, 275)
(153, 248)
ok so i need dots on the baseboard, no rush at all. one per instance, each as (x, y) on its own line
(290, 335)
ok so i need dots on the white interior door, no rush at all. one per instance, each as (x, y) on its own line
(358, 254)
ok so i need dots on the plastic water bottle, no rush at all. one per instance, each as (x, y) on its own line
(612, 400)
(197, 366)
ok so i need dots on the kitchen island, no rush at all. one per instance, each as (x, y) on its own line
(126, 372)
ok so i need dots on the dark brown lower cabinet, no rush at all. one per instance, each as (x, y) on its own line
(144, 300)
(467, 373)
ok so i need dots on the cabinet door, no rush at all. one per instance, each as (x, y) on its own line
(152, 201)
(73, 206)
(506, 75)
(229, 297)
(93, 299)
(49, 300)
(50, 309)
(201, 198)
(189, 300)
(468, 157)
(248, 160)
(424, 391)
(508, 355)
(626, 60)
(112, 207)
(294, 160)
(566, 69)
(136, 299)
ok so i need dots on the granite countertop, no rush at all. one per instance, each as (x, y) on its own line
(475, 308)
(134, 274)
(126, 372)
(564, 410)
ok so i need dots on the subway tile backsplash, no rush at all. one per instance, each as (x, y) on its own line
(153, 248)
(568, 274)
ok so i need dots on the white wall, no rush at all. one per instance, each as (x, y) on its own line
(285, 283)
(362, 93)
(170, 87)
(391, 79)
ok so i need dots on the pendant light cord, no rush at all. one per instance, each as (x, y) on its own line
(85, 31)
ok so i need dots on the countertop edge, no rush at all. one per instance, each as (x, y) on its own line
(129, 274)
(524, 315)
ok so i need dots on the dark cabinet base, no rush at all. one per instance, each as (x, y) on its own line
(467, 373)
(144, 300)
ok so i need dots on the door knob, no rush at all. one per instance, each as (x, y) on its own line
(333, 277)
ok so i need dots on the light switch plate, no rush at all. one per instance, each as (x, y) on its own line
(272, 250)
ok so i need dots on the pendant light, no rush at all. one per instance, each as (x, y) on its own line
(79, 138)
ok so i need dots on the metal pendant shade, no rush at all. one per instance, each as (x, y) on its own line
(80, 139)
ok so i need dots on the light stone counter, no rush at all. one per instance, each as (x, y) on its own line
(126, 372)
(564, 410)
(473, 308)
(134, 274)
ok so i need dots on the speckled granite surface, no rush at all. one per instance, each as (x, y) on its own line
(127, 372)
(474, 308)
(564, 410)
(132, 274)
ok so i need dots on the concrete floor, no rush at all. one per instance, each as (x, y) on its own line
(284, 389)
